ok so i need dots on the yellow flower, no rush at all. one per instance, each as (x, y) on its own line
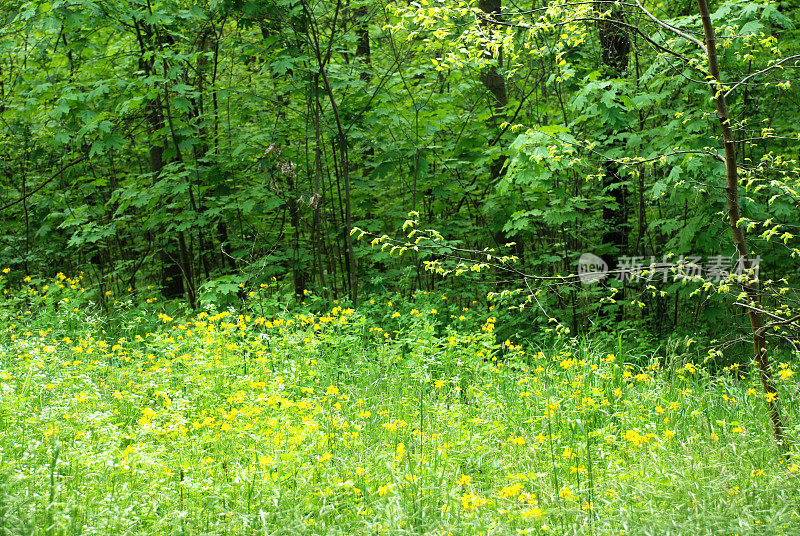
(785, 373)
(470, 502)
(511, 491)
(383, 490)
(400, 452)
(391, 426)
(464, 480)
(532, 512)
(566, 493)
(516, 440)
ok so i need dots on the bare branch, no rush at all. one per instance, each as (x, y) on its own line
(671, 28)
(762, 71)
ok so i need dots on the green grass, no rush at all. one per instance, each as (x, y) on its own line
(329, 423)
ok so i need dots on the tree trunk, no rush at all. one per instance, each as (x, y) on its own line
(363, 51)
(341, 142)
(615, 48)
(739, 241)
(496, 84)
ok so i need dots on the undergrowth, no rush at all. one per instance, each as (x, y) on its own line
(408, 420)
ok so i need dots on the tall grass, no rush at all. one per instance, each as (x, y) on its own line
(333, 423)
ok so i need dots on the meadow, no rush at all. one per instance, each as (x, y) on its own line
(402, 417)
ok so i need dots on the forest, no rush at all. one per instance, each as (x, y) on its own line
(392, 267)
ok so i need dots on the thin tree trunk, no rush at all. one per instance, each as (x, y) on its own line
(344, 165)
(739, 241)
(615, 48)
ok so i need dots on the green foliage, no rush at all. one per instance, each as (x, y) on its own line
(195, 147)
(403, 415)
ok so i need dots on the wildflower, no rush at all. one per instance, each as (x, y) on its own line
(400, 451)
(464, 480)
(516, 440)
(383, 490)
(634, 437)
(566, 493)
(147, 415)
(511, 491)
(470, 502)
(785, 373)
(532, 512)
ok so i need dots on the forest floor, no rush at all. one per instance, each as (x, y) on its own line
(328, 423)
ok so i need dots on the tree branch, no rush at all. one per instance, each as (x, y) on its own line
(45, 183)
